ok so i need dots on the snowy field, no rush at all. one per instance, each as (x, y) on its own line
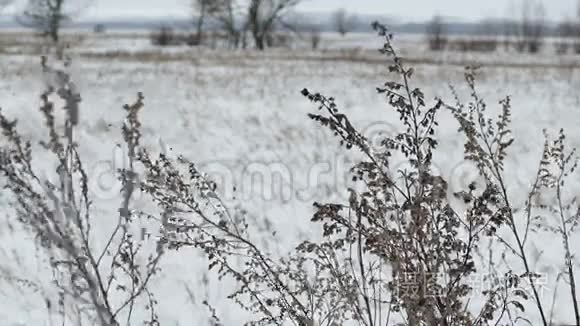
(239, 112)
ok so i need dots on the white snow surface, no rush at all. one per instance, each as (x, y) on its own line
(231, 110)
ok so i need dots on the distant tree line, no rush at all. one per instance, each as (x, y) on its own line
(267, 23)
(257, 23)
(527, 33)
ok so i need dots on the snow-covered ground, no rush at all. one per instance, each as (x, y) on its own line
(235, 112)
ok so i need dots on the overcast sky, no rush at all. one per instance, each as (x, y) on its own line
(405, 9)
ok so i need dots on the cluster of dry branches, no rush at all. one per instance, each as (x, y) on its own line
(103, 285)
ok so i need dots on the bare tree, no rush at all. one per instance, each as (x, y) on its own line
(200, 11)
(567, 32)
(568, 36)
(263, 16)
(577, 30)
(343, 22)
(259, 17)
(224, 12)
(507, 30)
(314, 36)
(48, 16)
(488, 36)
(531, 29)
(436, 34)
